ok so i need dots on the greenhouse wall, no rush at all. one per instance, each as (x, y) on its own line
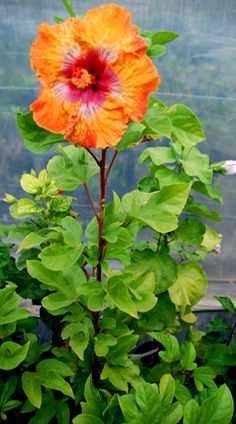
(199, 70)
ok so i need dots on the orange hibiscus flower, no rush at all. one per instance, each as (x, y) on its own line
(95, 76)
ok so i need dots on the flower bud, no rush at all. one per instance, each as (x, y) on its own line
(229, 167)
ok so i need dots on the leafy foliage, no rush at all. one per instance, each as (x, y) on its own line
(121, 345)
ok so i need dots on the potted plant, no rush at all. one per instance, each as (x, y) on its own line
(96, 74)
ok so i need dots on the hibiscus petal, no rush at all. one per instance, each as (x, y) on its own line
(53, 112)
(109, 27)
(101, 129)
(137, 79)
(55, 47)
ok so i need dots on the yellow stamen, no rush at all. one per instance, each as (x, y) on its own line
(81, 78)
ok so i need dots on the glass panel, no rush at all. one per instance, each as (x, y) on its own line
(199, 70)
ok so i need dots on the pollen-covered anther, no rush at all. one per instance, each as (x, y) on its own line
(81, 78)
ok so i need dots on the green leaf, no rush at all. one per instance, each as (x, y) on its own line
(44, 415)
(226, 303)
(93, 293)
(74, 167)
(171, 345)
(196, 164)
(37, 238)
(24, 208)
(207, 190)
(210, 239)
(186, 314)
(119, 293)
(59, 367)
(14, 316)
(191, 412)
(153, 101)
(9, 389)
(146, 34)
(160, 212)
(69, 7)
(111, 232)
(87, 419)
(166, 176)
(35, 139)
(220, 355)
(49, 373)
(58, 20)
(9, 300)
(102, 344)
(190, 286)
(63, 413)
(31, 383)
(218, 408)
(57, 257)
(190, 231)
(60, 204)
(158, 155)
(188, 355)
(91, 232)
(44, 275)
(79, 340)
(204, 376)
(72, 231)
(128, 407)
(66, 282)
(54, 381)
(144, 407)
(162, 265)
(9, 199)
(120, 376)
(156, 50)
(4, 230)
(198, 208)
(131, 136)
(142, 290)
(12, 354)
(131, 201)
(118, 253)
(148, 400)
(56, 301)
(27, 407)
(173, 414)
(29, 183)
(219, 324)
(186, 127)
(162, 316)
(119, 352)
(94, 405)
(148, 184)
(167, 391)
(164, 37)
(21, 230)
(157, 123)
(11, 404)
(182, 394)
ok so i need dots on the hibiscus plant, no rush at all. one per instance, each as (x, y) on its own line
(119, 342)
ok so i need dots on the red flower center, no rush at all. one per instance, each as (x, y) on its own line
(88, 79)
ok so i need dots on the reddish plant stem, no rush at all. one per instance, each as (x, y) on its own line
(93, 155)
(91, 201)
(101, 244)
(103, 181)
(111, 164)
